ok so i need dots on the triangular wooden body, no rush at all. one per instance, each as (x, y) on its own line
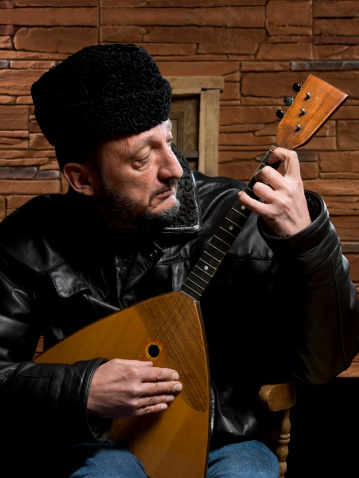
(173, 443)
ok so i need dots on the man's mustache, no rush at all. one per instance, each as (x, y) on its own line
(169, 184)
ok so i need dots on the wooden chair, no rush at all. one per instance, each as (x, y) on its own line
(279, 398)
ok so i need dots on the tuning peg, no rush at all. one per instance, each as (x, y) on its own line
(280, 114)
(288, 100)
(297, 87)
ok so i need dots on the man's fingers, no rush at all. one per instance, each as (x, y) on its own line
(132, 363)
(284, 207)
(152, 401)
(149, 371)
(289, 158)
(153, 404)
(159, 381)
(160, 388)
(151, 409)
(264, 191)
(269, 177)
(125, 388)
(154, 380)
(251, 203)
(157, 374)
(279, 154)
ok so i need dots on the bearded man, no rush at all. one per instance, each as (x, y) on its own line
(131, 227)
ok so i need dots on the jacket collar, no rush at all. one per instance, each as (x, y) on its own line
(188, 218)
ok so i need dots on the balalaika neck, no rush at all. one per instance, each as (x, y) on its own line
(216, 250)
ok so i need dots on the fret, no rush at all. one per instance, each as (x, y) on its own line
(190, 288)
(219, 245)
(227, 219)
(235, 210)
(261, 166)
(225, 230)
(200, 278)
(239, 212)
(209, 265)
(216, 248)
(195, 283)
(224, 242)
(264, 162)
(208, 254)
(204, 272)
(250, 192)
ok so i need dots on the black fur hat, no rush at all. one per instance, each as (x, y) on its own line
(99, 92)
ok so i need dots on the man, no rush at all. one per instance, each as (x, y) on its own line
(132, 226)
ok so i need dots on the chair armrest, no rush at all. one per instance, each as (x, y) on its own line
(277, 397)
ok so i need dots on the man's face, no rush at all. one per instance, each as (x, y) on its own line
(138, 177)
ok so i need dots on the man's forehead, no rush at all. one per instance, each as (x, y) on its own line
(145, 137)
(137, 141)
(166, 125)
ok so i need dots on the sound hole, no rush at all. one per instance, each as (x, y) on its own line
(153, 351)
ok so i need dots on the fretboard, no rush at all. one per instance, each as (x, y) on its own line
(216, 250)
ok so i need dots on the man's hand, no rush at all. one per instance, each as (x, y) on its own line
(128, 388)
(284, 209)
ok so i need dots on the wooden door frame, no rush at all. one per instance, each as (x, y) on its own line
(208, 88)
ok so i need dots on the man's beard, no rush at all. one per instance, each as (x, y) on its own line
(120, 211)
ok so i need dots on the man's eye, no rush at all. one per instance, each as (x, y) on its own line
(143, 157)
(142, 160)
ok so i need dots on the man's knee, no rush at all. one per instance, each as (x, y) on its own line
(249, 459)
(96, 460)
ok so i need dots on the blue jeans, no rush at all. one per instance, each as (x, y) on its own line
(250, 459)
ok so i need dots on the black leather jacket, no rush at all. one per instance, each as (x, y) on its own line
(277, 307)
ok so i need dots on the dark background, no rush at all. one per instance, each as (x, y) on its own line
(325, 431)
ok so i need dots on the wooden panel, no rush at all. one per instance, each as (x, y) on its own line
(195, 108)
(208, 145)
(185, 85)
(185, 126)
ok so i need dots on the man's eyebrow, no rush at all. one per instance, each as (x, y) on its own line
(150, 138)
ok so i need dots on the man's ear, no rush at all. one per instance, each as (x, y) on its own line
(81, 178)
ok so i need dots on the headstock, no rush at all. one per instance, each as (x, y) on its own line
(314, 104)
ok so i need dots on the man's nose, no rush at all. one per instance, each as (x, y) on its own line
(170, 167)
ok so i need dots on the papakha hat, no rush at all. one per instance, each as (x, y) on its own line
(100, 92)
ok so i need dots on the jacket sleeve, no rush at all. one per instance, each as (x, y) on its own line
(320, 301)
(49, 397)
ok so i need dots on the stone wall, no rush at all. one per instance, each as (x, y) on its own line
(260, 47)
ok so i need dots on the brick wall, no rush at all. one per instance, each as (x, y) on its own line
(260, 47)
